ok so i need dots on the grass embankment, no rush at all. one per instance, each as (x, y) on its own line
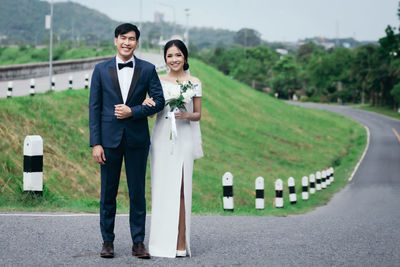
(387, 111)
(244, 131)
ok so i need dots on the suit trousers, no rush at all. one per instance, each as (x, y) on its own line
(135, 166)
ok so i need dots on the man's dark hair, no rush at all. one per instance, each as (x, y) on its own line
(125, 28)
(181, 46)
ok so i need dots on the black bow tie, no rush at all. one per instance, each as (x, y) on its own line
(123, 65)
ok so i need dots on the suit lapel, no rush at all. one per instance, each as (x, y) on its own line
(135, 79)
(114, 78)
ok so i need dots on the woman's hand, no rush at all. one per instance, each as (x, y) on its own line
(182, 115)
(149, 102)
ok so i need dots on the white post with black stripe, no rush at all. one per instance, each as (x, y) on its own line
(86, 81)
(292, 190)
(323, 179)
(318, 178)
(9, 89)
(279, 193)
(33, 164)
(53, 83)
(327, 179)
(32, 87)
(312, 183)
(331, 178)
(70, 78)
(304, 188)
(227, 185)
(260, 193)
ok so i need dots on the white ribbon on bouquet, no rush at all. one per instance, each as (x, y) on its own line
(174, 131)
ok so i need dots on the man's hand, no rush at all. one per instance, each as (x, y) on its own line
(149, 102)
(122, 111)
(98, 154)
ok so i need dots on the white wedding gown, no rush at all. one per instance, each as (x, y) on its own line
(167, 161)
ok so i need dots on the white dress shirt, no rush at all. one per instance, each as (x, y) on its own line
(125, 77)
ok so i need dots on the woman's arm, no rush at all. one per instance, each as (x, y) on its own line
(196, 115)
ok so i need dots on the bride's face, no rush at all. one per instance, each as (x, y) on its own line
(174, 58)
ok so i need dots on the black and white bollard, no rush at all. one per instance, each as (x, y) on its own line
(292, 191)
(318, 178)
(53, 83)
(86, 81)
(304, 186)
(279, 193)
(32, 88)
(327, 179)
(70, 82)
(227, 185)
(332, 179)
(323, 179)
(260, 193)
(33, 164)
(9, 89)
(312, 183)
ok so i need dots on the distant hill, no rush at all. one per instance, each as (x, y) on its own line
(339, 42)
(22, 22)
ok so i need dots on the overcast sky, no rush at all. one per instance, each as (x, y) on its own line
(276, 20)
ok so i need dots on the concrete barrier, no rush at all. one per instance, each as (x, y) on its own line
(9, 89)
(34, 70)
(260, 193)
(279, 193)
(304, 188)
(33, 164)
(227, 191)
(292, 190)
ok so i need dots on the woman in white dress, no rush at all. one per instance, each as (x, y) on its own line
(171, 160)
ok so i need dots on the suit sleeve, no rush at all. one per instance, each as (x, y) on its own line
(155, 91)
(95, 104)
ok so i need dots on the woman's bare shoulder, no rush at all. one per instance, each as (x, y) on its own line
(194, 79)
(163, 77)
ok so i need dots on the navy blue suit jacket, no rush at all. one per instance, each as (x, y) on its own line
(105, 92)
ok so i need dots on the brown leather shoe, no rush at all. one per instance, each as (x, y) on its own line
(108, 250)
(139, 250)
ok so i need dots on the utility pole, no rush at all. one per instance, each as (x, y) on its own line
(140, 24)
(173, 12)
(51, 45)
(187, 27)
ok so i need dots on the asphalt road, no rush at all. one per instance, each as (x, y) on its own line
(42, 84)
(360, 226)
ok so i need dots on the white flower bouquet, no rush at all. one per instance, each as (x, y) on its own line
(177, 97)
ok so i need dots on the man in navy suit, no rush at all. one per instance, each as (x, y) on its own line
(119, 129)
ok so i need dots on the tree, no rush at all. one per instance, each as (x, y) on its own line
(305, 52)
(247, 37)
(286, 76)
(365, 72)
(396, 93)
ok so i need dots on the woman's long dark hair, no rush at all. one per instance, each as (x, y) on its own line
(181, 46)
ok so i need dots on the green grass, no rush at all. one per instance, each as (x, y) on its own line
(245, 132)
(387, 111)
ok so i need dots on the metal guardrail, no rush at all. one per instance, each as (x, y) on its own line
(34, 70)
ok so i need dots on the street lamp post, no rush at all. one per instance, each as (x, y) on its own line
(173, 11)
(51, 45)
(140, 24)
(187, 27)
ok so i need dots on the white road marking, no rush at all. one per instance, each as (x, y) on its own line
(363, 155)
